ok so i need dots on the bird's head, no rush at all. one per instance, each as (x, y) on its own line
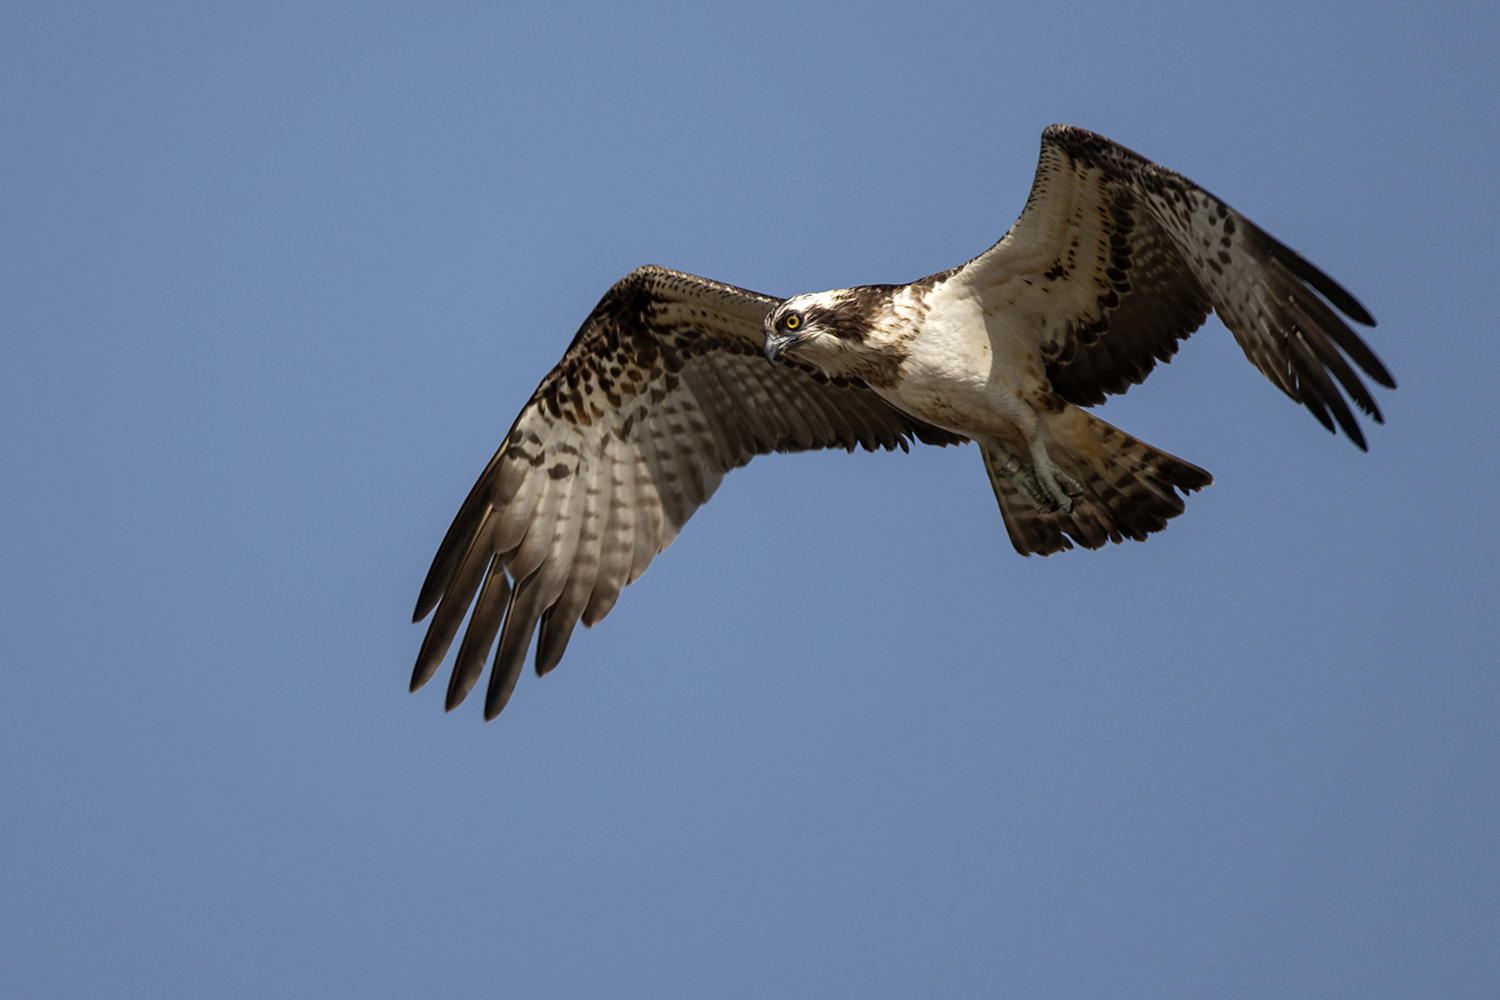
(820, 327)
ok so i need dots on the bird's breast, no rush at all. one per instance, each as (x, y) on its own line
(948, 375)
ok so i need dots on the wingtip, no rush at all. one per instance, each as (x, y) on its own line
(498, 694)
(1335, 293)
(432, 593)
(1355, 309)
(421, 673)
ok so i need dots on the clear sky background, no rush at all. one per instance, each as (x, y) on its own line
(274, 282)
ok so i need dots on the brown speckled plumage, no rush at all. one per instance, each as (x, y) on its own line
(1147, 255)
(664, 389)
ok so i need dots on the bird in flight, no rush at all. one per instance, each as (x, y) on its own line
(673, 380)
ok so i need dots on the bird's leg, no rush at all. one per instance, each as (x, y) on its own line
(1061, 488)
(1019, 473)
(1042, 483)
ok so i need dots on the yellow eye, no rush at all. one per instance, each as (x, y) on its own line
(792, 321)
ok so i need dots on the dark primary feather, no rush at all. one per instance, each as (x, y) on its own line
(1121, 259)
(661, 392)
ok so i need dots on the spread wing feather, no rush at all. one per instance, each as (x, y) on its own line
(661, 393)
(1115, 259)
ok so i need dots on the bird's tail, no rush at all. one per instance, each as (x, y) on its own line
(1129, 488)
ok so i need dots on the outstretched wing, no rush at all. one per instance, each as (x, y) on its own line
(662, 391)
(1115, 259)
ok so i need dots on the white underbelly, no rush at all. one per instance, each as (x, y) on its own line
(951, 376)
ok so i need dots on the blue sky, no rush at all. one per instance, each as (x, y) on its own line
(273, 283)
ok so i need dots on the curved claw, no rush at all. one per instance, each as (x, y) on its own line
(1060, 487)
(1022, 476)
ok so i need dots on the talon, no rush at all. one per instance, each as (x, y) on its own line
(1060, 487)
(1020, 476)
(1027, 484)
(1045, 486)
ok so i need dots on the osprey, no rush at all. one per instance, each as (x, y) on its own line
(666, 387)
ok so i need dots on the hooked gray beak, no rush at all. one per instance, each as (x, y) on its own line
(776, 343)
